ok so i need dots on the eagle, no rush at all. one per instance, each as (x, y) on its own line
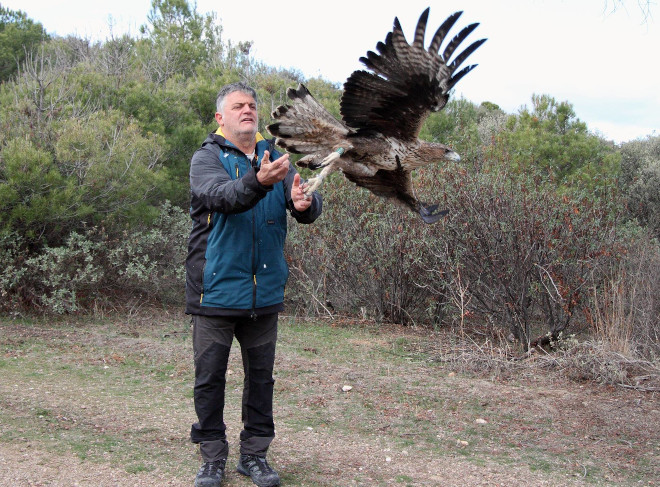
(375, 144)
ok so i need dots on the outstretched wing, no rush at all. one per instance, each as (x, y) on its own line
(406, 81)
(305, 126)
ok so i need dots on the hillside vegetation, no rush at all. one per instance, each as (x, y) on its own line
(551, 237)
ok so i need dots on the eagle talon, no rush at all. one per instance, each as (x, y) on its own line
(428, 214)
(312, 184)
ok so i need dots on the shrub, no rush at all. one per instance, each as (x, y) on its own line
(150, 263)
(624, 309)
(519, 251)
(55, 278)
(515, 255)
(95, 268)
(102, 171)
(640, 180)
(361, 257)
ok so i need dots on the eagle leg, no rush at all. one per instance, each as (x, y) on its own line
(332, 157)
(328, 165)
(428, 213)
(314, 183)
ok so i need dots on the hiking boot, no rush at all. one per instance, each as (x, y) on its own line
(258, 470)
(210, 474)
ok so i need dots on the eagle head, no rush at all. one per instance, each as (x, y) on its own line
(452, 156)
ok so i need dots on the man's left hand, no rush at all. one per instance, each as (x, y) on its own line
(300, 201)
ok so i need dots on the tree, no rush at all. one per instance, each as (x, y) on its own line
(178, 40)
(551, 142)
(102, 171)
(640, 180)
(643, 5)
(19, 36)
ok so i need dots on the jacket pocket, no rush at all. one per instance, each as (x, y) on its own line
(228, 279)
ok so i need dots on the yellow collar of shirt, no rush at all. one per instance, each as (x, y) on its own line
(259, 137)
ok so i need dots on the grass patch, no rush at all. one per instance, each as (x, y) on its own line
(118, 392)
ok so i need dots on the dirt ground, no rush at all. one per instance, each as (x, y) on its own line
(27, 465)
(24, 466)
(595, 427)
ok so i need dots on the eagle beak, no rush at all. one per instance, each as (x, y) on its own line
(452, 156)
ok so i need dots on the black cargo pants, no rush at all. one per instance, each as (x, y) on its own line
(212, 339)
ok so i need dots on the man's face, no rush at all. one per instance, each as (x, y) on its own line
(239, 115)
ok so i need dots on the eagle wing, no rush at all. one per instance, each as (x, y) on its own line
(305, 126)
(406, 81)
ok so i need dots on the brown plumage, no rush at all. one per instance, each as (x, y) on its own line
(376, 143)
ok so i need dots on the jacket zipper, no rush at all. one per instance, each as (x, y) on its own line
(254, 267)
(253, 315)
(201, 295)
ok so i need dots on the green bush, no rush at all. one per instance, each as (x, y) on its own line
(32, 190)
(640, 180)
(101, 170)
(56, 278)
(95, 268)
(19, 36)
(515, 254)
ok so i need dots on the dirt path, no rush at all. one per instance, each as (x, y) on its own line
(25, 466)
(109, 405)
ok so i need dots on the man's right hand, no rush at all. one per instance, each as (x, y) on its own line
(273, 172)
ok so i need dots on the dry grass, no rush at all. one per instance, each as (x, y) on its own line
(591, 361)
(108, 402)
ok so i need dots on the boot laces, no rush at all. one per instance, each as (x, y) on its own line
(212, 468)
(255, 462)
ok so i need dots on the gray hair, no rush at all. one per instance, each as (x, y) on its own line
(230, 88)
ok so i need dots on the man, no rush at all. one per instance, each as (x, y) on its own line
(241, 190)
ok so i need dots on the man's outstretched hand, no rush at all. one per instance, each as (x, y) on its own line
(273, 172)
(300, 201)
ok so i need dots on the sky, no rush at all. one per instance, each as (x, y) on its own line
(598, 55)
